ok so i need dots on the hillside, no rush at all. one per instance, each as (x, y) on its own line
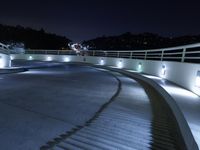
(33, 39)
(130, 41)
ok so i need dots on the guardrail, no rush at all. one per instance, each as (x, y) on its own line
(186, 53)
(3, 51)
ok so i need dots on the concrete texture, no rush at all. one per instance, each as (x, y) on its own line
(52, 98)
(189, 136)
(125, 124)
(188, 103)
(41, 104)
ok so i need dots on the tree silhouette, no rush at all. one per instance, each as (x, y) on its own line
(33, 39)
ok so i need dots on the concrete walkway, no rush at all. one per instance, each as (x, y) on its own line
(41, 104)
(126, 124)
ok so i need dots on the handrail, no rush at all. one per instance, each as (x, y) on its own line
(3, 51)
(185, 53)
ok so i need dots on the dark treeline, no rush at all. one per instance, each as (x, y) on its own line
(39, 39)
(33, 39)
(129, 41)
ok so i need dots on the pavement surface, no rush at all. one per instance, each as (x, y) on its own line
(125, 124)
(57, 106)
(41, 104)
(134, 119)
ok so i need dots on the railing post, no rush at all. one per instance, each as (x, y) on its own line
(105, 53)
(145, 55)
(58, 52)
(183, 55)
(162, 54)
(93, 54)
(131, 54)
(117, 54)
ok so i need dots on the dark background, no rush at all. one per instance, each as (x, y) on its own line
(87, 19)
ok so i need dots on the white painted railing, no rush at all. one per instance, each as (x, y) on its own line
(186, 53)
(3, 51)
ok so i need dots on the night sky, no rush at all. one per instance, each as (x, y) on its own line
(86, 19)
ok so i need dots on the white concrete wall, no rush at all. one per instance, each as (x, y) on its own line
(4, 60)
(183, 74)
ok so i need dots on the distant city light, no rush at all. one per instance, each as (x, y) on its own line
(77, 47)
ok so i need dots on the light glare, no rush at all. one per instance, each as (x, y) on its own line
(30, 58)
(179, 91)
(49, 58)
(163, 71)
(119, 64)
(101, 62)
(198, 81)
(66, 59)
(2, 62)
(140, 67)
(11, 57)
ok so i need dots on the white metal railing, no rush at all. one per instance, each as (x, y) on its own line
(186, 53)
(3, 51)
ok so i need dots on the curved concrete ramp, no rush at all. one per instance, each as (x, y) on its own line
(74, 107)
(126, 123)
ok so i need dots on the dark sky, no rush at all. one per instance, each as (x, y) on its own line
(85, 19)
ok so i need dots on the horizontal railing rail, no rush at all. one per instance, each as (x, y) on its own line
(186, 53)
(3, 51)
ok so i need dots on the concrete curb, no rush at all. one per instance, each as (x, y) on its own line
(12, 70)
(181, 121)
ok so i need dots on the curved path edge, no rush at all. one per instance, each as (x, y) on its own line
(74, 130)
(12, 70)
(181, 122)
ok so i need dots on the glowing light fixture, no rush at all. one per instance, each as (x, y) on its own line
(140, 67)
(49, 58)
(120, 64)
(11, 57)
(30, 58)
(163, 71)
(2, 62)
(66, 59)
(102, 61)
(198, 79)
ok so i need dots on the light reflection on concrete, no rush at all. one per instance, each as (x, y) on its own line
(188, 102)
